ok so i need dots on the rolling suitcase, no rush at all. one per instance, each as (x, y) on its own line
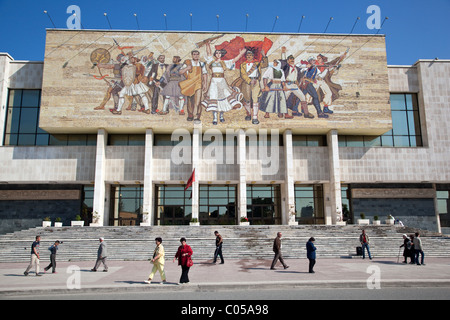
(359, 251)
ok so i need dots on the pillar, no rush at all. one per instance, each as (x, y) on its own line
(196, 148)
(335, 207)
(99, 218)
(289, 193)
(147, 205)
(242, 186)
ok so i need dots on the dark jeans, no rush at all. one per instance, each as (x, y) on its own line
(52, 263)
(312, 262)
(184, 274)
(218, 252)
(417, 256)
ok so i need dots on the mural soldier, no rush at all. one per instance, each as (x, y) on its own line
(273, 98)
(251, 75)
(172, 92)
(157, 70)
(194, 85)
(293, 74)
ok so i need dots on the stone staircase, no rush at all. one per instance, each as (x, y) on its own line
(240, 242)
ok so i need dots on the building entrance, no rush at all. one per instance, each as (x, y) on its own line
(173, 205)
(126, 205)
(264, 204)
(218, 204)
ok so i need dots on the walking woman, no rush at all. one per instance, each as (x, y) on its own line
(158, 262)
(183, 255)
(311, 254)
(407, 248)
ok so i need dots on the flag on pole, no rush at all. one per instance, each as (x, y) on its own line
(190, 181)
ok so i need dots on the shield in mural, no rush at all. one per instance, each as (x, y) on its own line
(128, 74)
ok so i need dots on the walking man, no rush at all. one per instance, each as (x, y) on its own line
(218, 252)
(418, 249)
(34, 256)
(101, 256)
(277, 250)
(364, 239)
(53, 250)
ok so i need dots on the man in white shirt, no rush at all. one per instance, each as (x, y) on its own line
(293, 74)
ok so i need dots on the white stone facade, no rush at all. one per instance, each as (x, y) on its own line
(330, 166)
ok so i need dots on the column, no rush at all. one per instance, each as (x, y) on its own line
(99, 184)
(289, 193)
(242, 186)
(147, 208)
(196, 148)
(5, 59)
(335, 208)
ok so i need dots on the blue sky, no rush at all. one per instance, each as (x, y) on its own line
(415, 29)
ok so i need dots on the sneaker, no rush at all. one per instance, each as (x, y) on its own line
(148, 281)
(25, 273)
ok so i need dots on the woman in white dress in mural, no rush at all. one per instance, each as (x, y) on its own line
(221, 97)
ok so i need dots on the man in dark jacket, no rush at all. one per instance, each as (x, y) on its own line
(277, 250)
(311, 254)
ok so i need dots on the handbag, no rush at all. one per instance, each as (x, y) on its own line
(189, 262)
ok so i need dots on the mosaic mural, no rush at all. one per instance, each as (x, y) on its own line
(167, 80)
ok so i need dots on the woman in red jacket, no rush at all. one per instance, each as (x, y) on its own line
(183, 255)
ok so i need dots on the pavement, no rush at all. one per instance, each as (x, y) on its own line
(77, 277)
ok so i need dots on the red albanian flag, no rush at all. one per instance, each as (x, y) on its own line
(234, 46)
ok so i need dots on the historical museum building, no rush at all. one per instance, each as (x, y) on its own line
(169, 128)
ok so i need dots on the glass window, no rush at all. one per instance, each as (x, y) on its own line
(15, 98)
(309, 204)
(22, 123)
(58, 140)
(12, 125)
(443, 204)
(405, 131)
(217, 204)
(398, 101)
(22, 117)
(173, 205)
(264, 204)
(309, 141)
(30, 98)
(26, 140)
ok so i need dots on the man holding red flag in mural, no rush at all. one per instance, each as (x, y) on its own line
(250, 70)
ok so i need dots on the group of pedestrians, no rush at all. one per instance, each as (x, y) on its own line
(412, 249)
(310, 253)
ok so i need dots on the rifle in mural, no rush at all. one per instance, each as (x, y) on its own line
(202, 43)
